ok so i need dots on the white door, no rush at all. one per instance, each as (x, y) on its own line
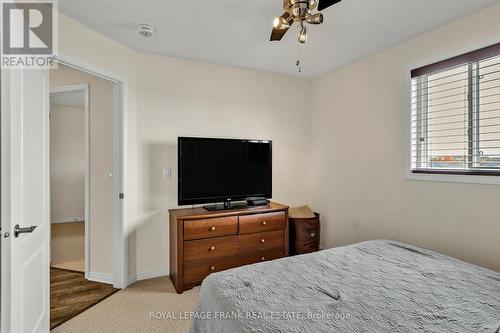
(25, 286)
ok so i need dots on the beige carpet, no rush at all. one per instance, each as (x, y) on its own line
(129, 310)
(67, 246)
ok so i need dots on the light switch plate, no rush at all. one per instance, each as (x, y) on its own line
(167, 172)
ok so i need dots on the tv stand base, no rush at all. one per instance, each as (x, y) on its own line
(228, 205)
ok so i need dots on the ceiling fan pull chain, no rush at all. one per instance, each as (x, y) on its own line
(299, 11)
(298, 63)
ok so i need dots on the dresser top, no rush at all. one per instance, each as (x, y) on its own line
(201, 213)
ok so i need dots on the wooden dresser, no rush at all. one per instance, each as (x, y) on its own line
(203, 242)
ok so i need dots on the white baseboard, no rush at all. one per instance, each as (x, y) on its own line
(147, 275)
(69, 219)
(100, 277)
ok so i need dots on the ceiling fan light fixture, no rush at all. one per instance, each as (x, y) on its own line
(300, 12)
(280, 23)
(303, 35)
(315, 19)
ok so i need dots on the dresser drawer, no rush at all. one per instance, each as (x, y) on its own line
(196, 271)
(260, 256)
(210, 248)
(206, 228)
(261, 241)
(262, 222)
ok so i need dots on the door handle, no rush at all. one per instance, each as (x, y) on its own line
(18, 230)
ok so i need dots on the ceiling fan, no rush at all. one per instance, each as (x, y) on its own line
(299, 11)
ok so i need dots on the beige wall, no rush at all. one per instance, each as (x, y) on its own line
(359, 184)
(101, 162)
(168, 97)
(185, 98)
(86, 46)
(67, 163)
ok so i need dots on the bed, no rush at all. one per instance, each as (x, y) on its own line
(374, 286)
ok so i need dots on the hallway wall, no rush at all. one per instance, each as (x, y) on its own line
(101, 163)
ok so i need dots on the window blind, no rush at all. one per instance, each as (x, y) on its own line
(455, 115)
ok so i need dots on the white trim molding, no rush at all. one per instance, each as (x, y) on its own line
(100, 277)
(120, 111)
(69, 220)
(147, 275)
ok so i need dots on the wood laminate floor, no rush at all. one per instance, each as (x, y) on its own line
(71, 294)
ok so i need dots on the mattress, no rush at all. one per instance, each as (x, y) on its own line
(374, 286)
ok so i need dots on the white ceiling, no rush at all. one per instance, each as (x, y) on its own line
(236, 32)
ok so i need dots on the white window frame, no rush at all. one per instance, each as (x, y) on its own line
(451, 178)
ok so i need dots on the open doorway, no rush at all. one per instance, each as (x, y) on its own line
(69, 178)
(25, 151)
(81, 180)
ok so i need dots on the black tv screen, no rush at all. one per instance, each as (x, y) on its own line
(219, 170)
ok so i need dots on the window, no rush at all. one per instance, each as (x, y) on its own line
(455, 115)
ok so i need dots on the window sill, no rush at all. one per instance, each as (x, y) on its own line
(440, 176)
(477, 172)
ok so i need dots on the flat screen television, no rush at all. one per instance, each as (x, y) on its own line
(223, 170)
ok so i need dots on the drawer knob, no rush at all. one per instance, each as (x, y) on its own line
(262, 240)
(264, 222)
(212, 248)
(212, 228)
(262, 258)
(212, 268)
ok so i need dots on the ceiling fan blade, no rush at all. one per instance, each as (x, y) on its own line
(277, 34)
(326, 3)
